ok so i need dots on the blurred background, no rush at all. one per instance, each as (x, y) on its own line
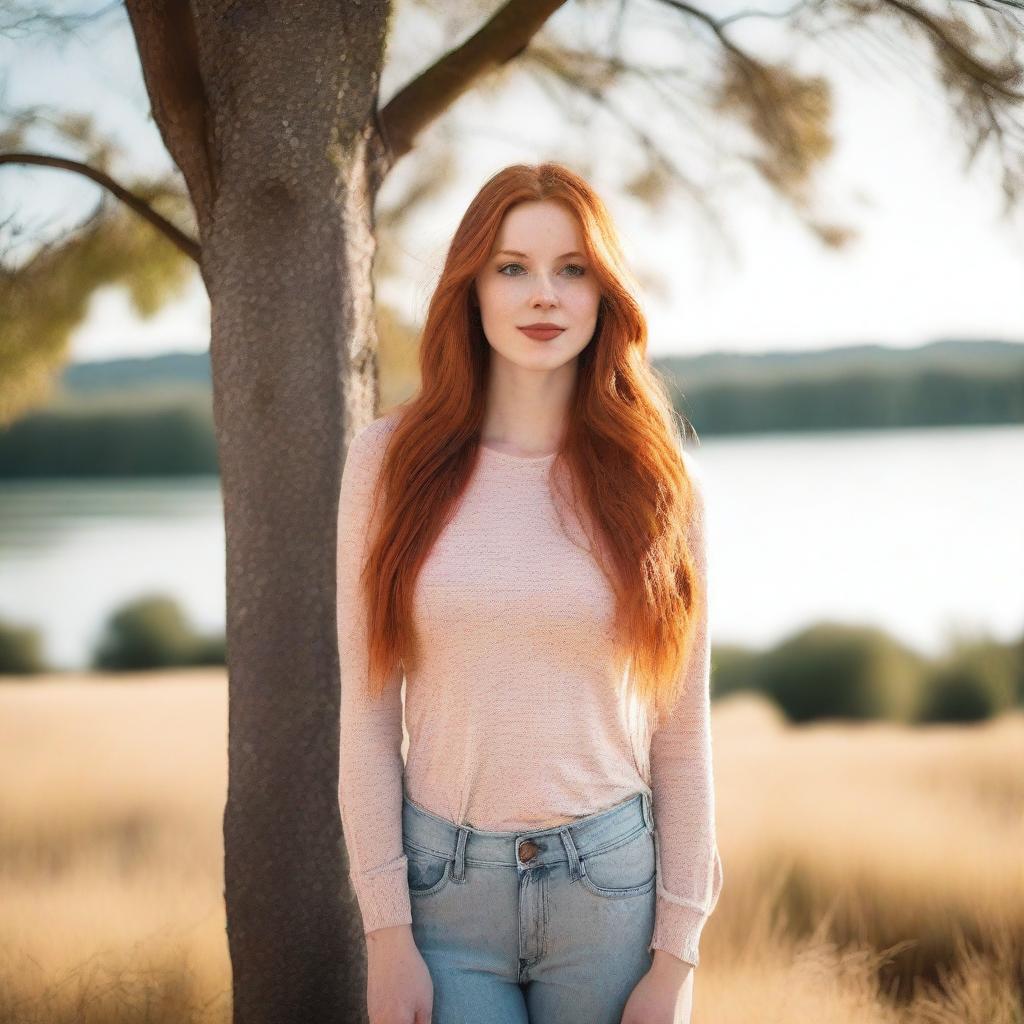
(850, 356)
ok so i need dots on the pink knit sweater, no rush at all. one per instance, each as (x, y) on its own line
(517, 717)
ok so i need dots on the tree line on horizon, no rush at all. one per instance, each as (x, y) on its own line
(127, 418)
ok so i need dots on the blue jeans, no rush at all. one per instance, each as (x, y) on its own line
(548, 926)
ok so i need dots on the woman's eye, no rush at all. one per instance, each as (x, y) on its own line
(568, 266)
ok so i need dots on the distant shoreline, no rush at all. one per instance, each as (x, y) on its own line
(154, 417)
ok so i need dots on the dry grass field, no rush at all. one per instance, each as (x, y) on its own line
(873, 873)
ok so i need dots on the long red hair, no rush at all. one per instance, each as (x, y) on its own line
(622, 447)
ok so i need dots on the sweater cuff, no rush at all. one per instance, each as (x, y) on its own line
(677, 930)
(383, 898)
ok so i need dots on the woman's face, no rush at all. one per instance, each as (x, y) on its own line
(538, 273)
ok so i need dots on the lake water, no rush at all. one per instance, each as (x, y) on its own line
(918, 531)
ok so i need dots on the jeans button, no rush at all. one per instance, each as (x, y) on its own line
(527, 851)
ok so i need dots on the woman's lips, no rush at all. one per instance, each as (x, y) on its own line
(542, 333)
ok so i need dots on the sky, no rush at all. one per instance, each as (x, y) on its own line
(934, 258)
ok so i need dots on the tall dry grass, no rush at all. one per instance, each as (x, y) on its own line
(873, 872)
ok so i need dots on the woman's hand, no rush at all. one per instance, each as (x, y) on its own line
(398, 985)
(664, 995)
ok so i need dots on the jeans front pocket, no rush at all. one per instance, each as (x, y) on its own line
(625, 868)
(428, 871)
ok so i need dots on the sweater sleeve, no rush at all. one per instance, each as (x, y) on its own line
(689, 867)
(370, 784)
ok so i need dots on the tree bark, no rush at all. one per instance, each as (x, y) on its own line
(284, 160)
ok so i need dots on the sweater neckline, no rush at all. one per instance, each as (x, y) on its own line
(528, 460)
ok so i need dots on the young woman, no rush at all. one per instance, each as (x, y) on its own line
(523, 541)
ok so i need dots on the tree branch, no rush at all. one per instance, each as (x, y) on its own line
(499, 40)
(178, 237)
(165, 36)
(990, 77)
(655, 154)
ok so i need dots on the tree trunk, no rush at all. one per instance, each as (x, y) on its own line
(292, 163)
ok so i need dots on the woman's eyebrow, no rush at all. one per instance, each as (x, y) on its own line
(514, 252)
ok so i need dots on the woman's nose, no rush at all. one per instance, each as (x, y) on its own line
(544, 292)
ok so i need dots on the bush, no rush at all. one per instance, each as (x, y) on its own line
(975, 681)
(20, 650)
(1017, 653)
(150, 632)
(210, 650)
(733, 668)
(832, 670)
